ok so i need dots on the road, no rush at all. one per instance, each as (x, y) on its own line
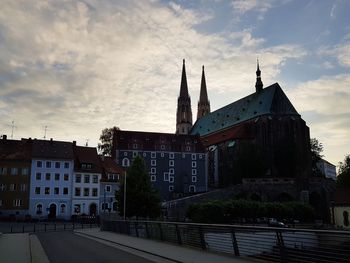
(66, 247)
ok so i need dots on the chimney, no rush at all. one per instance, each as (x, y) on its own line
(74, 143)
(4, 137)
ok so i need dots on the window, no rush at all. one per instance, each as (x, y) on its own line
(3, 170)
(104, 206)
(153, 162)
(37, 190)
(108, 188)
(162, 147)
(25, 171)
(125, 154)
(48, 164)
(66, 177)
(14, 171)
(115, 206)
(144, 154)
(56, 191)
(87, 178)
(57, 164)
(2, 187)
(38, 176)
(23, 187)
(171, 188)
(153, 155)
(193, 156)
(17, 202)
(95, 179)
(166, 176)
(77, 191)
(134, 146)
(171, 162)
(161, 154)
(194, 164)
(171, 155)
(13, 187)
(194, 172)
(188, 148)
(57, 177)
(94, 192)
(192, 189)
(39, 209)
(77, 209)
(171, 179)
(62, 208)
(66, 165)
(47, 176)
(125, 162)
(47, 190)
(65, 190)
(78, 178)
(194, 179)
(86, 191)
(134, 154)
(39, 164)
(153, 170)
(200, 156)
(153, 178)
(171, 171)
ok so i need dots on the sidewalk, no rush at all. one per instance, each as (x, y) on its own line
(14, 248)
(163, 250)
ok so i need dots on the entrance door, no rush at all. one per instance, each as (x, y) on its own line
(52, 212)
(92, 209)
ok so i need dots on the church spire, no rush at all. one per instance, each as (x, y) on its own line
(203, 103)
(258, 83)
(184, 111)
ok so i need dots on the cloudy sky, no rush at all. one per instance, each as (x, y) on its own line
(80, 66)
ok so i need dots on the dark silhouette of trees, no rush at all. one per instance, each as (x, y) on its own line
(106, 139)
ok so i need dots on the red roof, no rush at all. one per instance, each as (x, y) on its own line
(86, 155)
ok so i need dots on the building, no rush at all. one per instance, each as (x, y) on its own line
(51, 182)
(15, 171)
(176, 163)
(112, 174)
(86, 181)
(340, 209)
(328, 169)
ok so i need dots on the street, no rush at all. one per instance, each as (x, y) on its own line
(66, 247)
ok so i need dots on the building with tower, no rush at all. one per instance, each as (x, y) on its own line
(203, 103)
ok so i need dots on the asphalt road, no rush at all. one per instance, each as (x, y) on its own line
(67, 247)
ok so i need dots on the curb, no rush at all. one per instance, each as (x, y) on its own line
(37, 253)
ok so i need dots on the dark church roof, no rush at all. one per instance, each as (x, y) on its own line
(15, 150)
(269, 101)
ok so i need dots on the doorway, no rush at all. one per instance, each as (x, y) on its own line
(92, 209)
(52, 211)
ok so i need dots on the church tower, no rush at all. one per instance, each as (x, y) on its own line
(184, 112)
(258, 83)
(203, 103)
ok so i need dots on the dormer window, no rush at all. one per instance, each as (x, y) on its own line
(87, 166)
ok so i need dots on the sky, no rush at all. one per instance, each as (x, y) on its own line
(77, 67)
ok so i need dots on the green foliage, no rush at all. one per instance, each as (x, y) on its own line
(106, 138)
(231, 210)
(142, 200)
(343, 178)
(316, 150)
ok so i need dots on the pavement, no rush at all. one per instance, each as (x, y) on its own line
(23, 248)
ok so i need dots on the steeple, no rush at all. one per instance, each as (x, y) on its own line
(203, 103)
(258, 83)
(184, 111)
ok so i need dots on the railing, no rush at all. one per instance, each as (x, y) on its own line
(43, 227)
(266, 243)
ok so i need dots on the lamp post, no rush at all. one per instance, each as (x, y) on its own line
(124, 194)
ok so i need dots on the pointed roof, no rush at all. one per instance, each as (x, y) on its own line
(269, 101)
(183, 86)
(203, 97)
(258, 84)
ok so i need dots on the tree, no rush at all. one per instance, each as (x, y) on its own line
(343, 178)
(142, 200)
(316, 150)
(106, 138)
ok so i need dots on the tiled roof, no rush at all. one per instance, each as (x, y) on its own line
(110, 166)
(269, 101)
(15, 150)
(152, 141)
(86, 155)
(51, 149)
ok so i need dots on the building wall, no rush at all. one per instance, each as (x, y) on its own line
(86, 193)
(45, 198)
(328, 169)
(174, 174)
(107, 197)
(340, 214)
(14, 187)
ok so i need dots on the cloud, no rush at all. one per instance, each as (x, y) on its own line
(340, 52)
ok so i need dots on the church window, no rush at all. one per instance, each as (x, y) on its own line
(126, 162)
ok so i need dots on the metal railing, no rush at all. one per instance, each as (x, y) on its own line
(266, 243)
(43, 227)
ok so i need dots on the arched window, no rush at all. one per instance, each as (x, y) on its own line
(39, 209)
(192, 189)
(62, 208)
(125, 162)
(115, 206)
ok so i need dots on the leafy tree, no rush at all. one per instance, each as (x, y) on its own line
(343, 178)
(316, 150)
(106, 138)
(142, 200)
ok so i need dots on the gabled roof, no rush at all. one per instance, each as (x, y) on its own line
(15, 150)
(110, 166)
(52, 149)
(86, 155)
(269, 101)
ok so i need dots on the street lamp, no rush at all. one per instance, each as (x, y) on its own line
(124, 194)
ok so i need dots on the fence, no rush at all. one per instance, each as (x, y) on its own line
(266, 243)
(43, 227)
